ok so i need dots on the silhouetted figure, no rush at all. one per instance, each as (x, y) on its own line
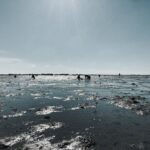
(87, 77)
(33, 76)
(99, 75)
(15, 76)
(79, 78)
(119, 74)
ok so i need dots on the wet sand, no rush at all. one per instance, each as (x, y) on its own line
(60, 112)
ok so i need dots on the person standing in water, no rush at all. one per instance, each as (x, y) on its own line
(33, 76)
(79, 78)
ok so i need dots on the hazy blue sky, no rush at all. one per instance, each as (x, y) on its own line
(86, 36)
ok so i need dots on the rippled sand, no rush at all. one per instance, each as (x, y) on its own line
(60, 112)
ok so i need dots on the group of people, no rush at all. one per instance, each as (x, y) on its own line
(32, 76)
(87, 77)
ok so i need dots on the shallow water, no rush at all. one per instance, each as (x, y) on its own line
(60, 112)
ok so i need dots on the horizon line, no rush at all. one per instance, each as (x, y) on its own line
(51, 74)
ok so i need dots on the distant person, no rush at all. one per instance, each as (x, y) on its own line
(33, 76)
(15, 76)
(99, 75)
(79, 78)
(119, 74)
(87, 77)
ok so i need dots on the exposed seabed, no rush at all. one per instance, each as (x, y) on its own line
(60, 112)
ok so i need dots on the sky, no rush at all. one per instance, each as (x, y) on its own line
(75, 36)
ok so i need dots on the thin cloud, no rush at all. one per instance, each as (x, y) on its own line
(10, 60)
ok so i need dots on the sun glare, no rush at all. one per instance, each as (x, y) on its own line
(64, 9)
(63, 5)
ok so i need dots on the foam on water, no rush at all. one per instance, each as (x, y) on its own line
(45, 144)
(55, 97)
(69, 98)
(30, 136)
(43, 127)
(19, 114)
(49, 110)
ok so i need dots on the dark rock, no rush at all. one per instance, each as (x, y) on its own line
(2, 146)
(82, 106)
(53, 123)
(39, 109)
(87, 142)
(133, 98)
(135, 102)
(63, 145)
(41, 147)
(134, 84)
(47, 117)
